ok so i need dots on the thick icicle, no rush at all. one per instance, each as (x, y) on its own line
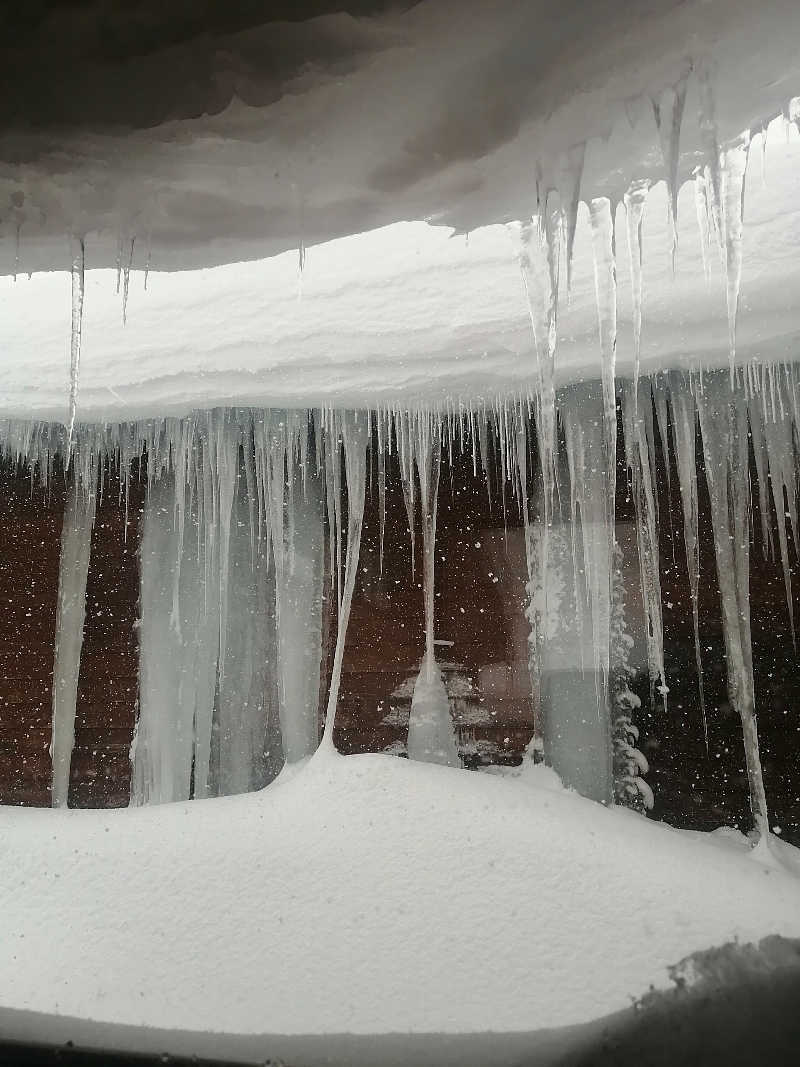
(723, 425)
(575, 701)
(569, 188)
(702, 209)
(641, 466)
(734, 171)
(779, 441)
(583, 415)
(126, 282)
(76, 540)
(430, 730)
(246, 701)
(684, 423)
(635, 199)
(668, 108)
(605, 274)
(78, 262)
(171, 751)
(353, 430)
(540, 244)
(299, 579)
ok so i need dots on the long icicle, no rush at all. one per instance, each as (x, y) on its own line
(78, 265)
(74, 567)
(734, 172)
(723, 425)
(668, 109)
(605, 274)
(354, 430)
(684, 432)
(635, 199)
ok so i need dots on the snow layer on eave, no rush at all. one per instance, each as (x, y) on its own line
(404, 314)
(397, 897)
(452, 110)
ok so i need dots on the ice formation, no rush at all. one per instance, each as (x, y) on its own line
(237, 507)
(73, 569)
(431, 736)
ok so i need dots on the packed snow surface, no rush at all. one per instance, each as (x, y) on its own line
(366, 894)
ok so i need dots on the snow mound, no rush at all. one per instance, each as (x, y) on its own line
(365, 894)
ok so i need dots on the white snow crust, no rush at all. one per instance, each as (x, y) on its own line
(365, 894)
(404, 314)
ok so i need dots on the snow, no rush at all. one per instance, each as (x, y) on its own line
(243, 145)
(365, 894)
(403, 314)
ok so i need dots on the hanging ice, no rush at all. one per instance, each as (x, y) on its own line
(350, 429)
(298, 545)
(641, 465)
(668, 108)
(635, 199)
(75, 337)
(171, 753)
(569, 188)
(245, 739)
(582, 410)
(734, 171)
(723, 424)
(684, 420)
(73, 570)
(431, 737)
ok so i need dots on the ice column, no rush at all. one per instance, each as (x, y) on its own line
(298, 545)
(350, 429)
(430, 729)
(75, 549)
(246, 704)
(177, 663)
(642, 465)
(78, 259)
(572, 604)
(723, 425)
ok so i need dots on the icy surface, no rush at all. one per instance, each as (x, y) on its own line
(356, 875)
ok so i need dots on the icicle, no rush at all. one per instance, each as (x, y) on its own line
(635, 199)
(710, 143)
(126, 281)
(243, 757)
(702, 208)
(171, 753)
(641, 464)
(779, 442)
(16, 249)
(299, 535)
(605, 274)
(684, 419)
(431, 737)
(733, 184)
(576, 709)
(668, 109)
(723, 424)
(570, 195)
(76, 540)
(353, 429)
(119, 261)
(758, 439)
(78, 259)
(539, 258)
